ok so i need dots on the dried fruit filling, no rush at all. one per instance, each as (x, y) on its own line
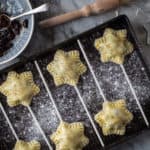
(8, 32)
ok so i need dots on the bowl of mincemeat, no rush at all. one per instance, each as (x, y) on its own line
(15, 37)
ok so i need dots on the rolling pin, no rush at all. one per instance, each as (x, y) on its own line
(92, 9)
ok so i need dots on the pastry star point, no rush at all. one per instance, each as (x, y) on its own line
(32, 145)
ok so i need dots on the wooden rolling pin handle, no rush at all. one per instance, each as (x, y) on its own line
(60, 19)
(86, 11)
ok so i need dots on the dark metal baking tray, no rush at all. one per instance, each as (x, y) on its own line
(110, 77)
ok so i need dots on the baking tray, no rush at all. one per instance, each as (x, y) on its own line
(110, 76)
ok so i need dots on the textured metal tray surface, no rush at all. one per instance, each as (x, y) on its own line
(111, 79)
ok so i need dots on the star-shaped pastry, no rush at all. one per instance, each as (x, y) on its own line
(66, 67)
(113, 46)
(19, 88)
(114, 117)
(70, 136)
(22, 145)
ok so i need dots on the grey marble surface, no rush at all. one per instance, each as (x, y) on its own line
(43, 39)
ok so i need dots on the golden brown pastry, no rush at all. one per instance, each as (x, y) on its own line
(22, 145)
(114, 117)
(19, 88)
(114, 46)
(66, 67)
(70, 136)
